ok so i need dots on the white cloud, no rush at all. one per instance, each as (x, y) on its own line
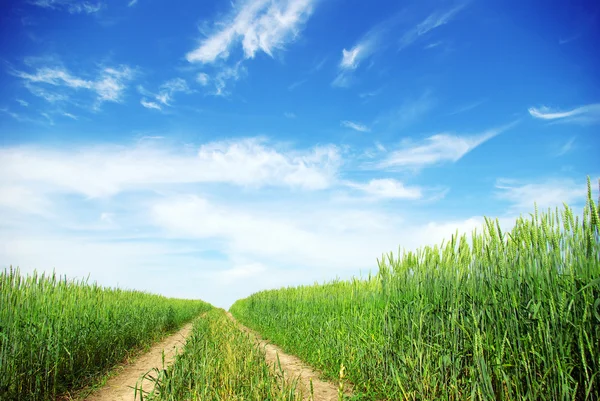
(150, 105)
(367, 46)
(22, 102)
(433, 21)
(367, 95)
(350, 58)
(290, 115)
(437, 149)
(546, 193)
(433, 45)
(584, 114)
(225, 75)
(50, 97)
(48, 118)
(388, 188)
(258, 25)
(355, 126)
(169, 88)
(132, 3)
(69, 115)
(108, 86)
(247, 162)
(165, 95)
(203, 78)
(72, 6)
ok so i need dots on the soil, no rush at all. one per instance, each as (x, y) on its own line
(294, 368)
(121, 387)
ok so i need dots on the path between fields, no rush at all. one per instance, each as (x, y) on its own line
(121, 387)
(294, 368)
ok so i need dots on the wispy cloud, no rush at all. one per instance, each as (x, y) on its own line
(149, 104)
(108, 86)
(22, 102)
(371, 94)
(72, 6)
(388, 188)
(14, 115)
(546, 193)
(226, 74)
(467, 107)
(316, 67)
(296, 84)
(132, 3)
(367, 46)
(433, 21)
(169, 88)
(203, 78)
(69, 115)
(433, 44)
(411, 110)
(48, 118)
(257, 25)
(290, 115)
(355, 126)
(584, 114)
(166, 92)
(437, 149)
(566, 147)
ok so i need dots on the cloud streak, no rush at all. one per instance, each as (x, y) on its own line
(584, 114)
(433, 21)
(165, 95)
(369, 44)
(72, 6)
(258, 25)
(355, 126)
(108, 86)
(437, 149)
(388, 188)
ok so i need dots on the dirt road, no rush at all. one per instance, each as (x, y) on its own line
(121, 387)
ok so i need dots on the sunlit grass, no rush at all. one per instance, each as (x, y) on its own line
(56, 334)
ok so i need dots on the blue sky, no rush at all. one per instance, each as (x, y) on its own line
(212, 149)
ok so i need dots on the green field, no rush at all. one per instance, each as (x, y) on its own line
(56, 335)
(494, 316)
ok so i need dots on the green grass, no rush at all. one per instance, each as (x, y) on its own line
(56, 335)
(493, 316)
(220, 362)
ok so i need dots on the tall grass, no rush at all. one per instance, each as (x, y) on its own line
(220, 362)
(497, 316)
(56, 334)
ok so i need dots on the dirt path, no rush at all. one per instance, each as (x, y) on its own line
(121, 387)
(294, 368)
